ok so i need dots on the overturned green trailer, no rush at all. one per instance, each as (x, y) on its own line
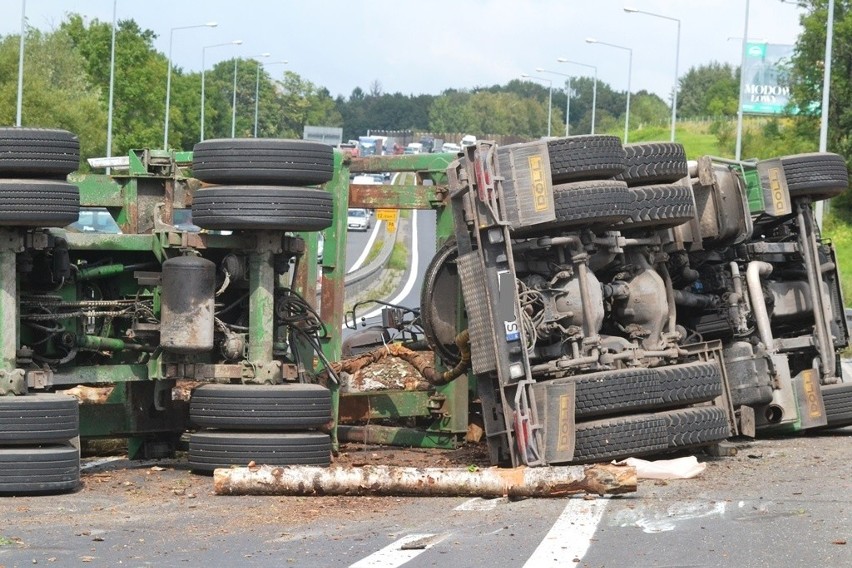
(614, 301)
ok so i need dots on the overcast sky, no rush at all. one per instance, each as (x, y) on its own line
(416, 47)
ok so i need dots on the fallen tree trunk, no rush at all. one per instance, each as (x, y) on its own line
(558, 481)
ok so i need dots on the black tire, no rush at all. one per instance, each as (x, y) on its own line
(38, 203)
(260, 407)
(585, 157)
(262, 161)
(38, 419)
(38, 152)
(597, 203)
(262, 207)
(696, 426)
(439, 303)
(689, 383)
(40, 469)
(659, 206)
(209, 450)
(624, 391)
(819, 175)
(653, 163)
(620, 437)
(838, 404)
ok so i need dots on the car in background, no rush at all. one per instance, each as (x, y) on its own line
(358, 220)
(450, 147)
(414, 148)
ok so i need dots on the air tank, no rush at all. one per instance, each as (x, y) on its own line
(187, 305)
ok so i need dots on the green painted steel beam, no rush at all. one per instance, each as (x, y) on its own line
(407, 196)
(421, 163)
(382, 405)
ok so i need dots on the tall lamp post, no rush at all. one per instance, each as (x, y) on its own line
(567, 97)
(169, 76)
(21, 63)
(629, 72)
(549, 99)
(677, 58)
(256, 86)
(203, 70)
(594, 85)
(111, 85)
(257, 89)
(739, 147)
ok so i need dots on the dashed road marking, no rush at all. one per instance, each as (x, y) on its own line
(480, 504)
(401, 551)
(570, 536)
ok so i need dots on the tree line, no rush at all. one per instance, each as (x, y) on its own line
(66, 78)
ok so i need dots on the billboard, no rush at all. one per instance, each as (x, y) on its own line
(765, 86)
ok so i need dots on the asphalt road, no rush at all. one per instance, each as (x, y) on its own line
(778, 502)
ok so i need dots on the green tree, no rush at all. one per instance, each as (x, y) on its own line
(139, 82)
(709, 90)
(55, 93)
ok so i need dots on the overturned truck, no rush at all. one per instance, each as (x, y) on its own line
(622, 301)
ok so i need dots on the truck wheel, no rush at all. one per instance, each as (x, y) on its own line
(262, 161)
(209, 450)
(653, 163)
(38, 153)
(260, 407)
(38, 419)
(619, 437)
(690, 383)
(696, 426)
(439, 303)
(38, 203)
(631, 390)
(819, 175)
(659, 206)
(262, 207)
(585, 157)
(587, 203)
(838, 404)
(40, 469)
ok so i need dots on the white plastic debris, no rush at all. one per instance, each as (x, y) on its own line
(679, 468)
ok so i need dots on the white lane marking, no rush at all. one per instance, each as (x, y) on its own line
(395, 554)
(480, 504)
(412, 272)
(367, 248)
(570, 536)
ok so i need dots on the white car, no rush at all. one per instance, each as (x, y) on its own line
(358, 220)
(451, 147)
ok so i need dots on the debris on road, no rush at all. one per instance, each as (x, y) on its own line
(597, 479)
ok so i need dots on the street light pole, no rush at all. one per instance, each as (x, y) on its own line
(594, 85)
(567, 98)
(234, 103)
(257, 87)
(826, 79)
(257, 90)
(169, 76)
(203, 70)
(21, 63)
(111, 85)
(550, 97)
(739, 147)
(629, 73)
(677, 60)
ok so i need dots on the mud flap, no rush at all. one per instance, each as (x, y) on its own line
(555, 405)
(809, 400)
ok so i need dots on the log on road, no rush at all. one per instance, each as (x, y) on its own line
(555, 481)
